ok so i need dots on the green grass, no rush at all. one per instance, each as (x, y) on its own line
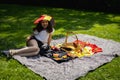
(16, 23)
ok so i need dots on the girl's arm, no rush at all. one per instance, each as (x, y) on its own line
(50, 38)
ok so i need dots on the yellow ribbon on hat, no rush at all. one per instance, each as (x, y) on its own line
(47, 18)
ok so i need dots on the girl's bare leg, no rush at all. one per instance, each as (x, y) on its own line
(31, 50)
(28, 54)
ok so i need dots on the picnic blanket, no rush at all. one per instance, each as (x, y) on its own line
(75, 68)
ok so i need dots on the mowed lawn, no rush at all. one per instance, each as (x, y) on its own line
(16, 23)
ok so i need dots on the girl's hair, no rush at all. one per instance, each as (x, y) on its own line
(39, 27)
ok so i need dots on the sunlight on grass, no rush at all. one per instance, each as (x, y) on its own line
(60, 30)
(60, 21)
(110, 31)
(114, 18)
(10, 19)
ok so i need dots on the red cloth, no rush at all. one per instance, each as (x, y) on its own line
(94, 47)
(39, 19)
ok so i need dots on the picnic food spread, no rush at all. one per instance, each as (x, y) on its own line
(71, 50)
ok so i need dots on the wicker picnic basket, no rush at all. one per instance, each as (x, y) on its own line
(69, 46)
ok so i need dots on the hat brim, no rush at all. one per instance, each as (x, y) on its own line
(38, 20)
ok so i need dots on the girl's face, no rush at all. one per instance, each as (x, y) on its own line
(44, 23)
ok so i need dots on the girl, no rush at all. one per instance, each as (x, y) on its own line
(42, 34)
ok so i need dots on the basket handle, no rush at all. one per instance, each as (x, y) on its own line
(67, 36)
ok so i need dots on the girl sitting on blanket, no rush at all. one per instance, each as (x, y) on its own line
(42, 34)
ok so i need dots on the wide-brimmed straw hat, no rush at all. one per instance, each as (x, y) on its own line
(45, 17)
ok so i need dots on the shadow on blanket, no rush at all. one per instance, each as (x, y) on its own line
(74, 68)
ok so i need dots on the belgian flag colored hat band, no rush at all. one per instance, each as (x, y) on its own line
(43, 17)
